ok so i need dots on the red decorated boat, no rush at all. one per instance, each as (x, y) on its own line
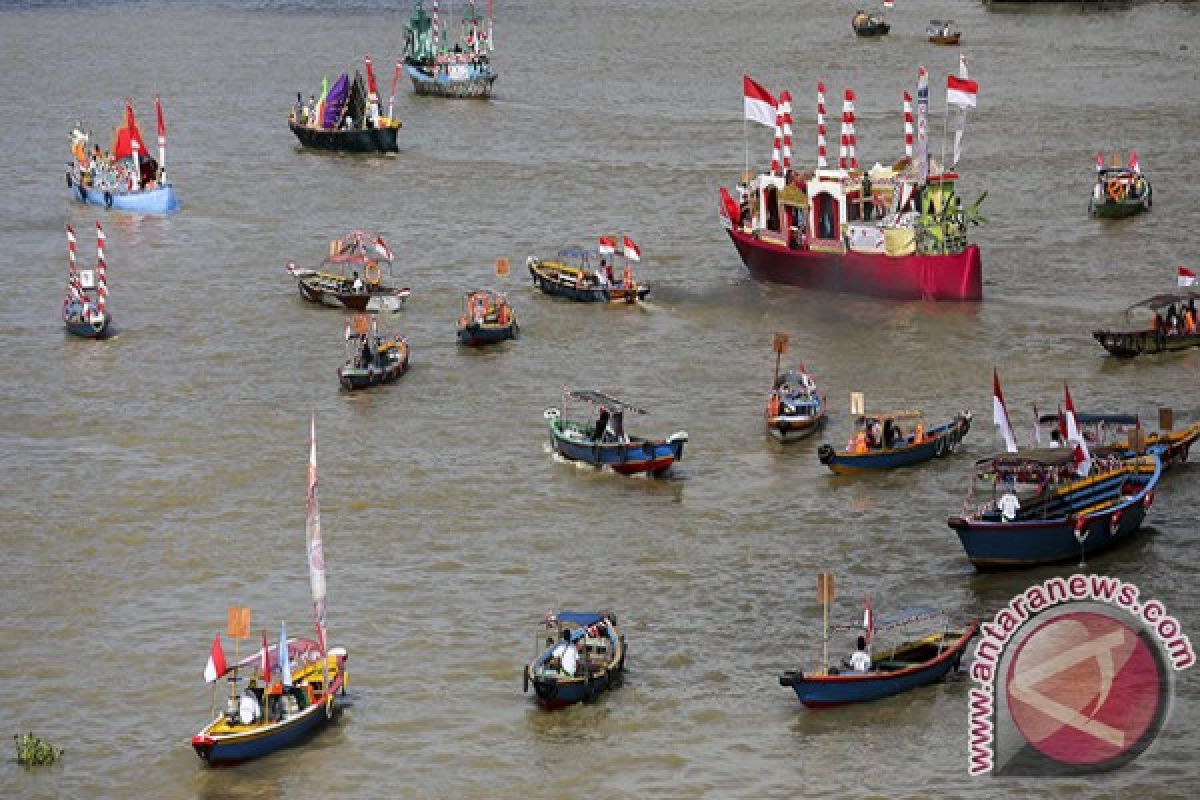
(897, 231)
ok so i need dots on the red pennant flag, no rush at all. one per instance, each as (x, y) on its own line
(215, 667)
(608, 245)
(266, 660)
(630, 250)
(370, 76)
(162, 126)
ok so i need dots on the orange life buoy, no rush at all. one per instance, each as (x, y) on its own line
(1115, 190)
(373, 273)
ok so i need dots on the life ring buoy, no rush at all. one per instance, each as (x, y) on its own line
(1115, 190)
(372, 273)
(108, 199)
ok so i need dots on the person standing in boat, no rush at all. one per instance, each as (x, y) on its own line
(860, 659)
(358, 285)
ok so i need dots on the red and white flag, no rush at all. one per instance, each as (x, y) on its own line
(215, 667)
(382, 248)
(1186, 277)
(1133, 163)
(960, 92)
(608, 245)
(1099, 162)
(630, 250)
(758, 104)
(1083, 457)
(889, 3)
(1000, 414)
(868, 620)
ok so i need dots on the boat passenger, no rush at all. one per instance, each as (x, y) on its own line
(358, 284)
(1189, 321)
(919, 434)
(860, 659)
(1009, 505)
(249, 710)
(860, 442)
(627, 275)
(889, 434)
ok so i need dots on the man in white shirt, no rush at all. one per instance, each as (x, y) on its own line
(1009, 506)
(358, 283)
(860, 659)
(570, 659)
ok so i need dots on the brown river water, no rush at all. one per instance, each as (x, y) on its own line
(149, 482)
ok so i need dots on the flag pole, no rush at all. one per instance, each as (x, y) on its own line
(942, 213)
(746, 142)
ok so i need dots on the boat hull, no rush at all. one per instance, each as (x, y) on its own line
(630, 458)
(355, 378)
(159, 201)
(870, 31)
(1128, 344)
(1003, 545)
(479, 84)
(1114, 210)
(229, 751)
(358, 140)
(939, 441)
(479, 335)
(372, 300)
(951, 39)
(826, 691)
(793, 428)
(553, 283)
(949, 277)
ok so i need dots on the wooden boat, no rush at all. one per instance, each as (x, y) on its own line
(869, 25)
(127, 178)
(941, 31)
(329, 285)
(487, 318)
(1122, 434)
(298, 682)
(373, 358)
(583, 657)
(1156, 335)
(599, 438)
(588, 276)
(1037, 510)
(908, 664)
(909, 443)
(795, 407)
(1119, 191)
(347, 118)
(436, 68)
(887, 232)
(82, 316)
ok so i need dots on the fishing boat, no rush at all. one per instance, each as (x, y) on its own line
(1146, 330)
(795, 407)
(1045, 507)
(1119, 191)
(443, 70)
(82, 316)
(889, 439)
(588, 276)
(126, 178)
(599, 438)
(912, 661)
(347, 117)
(869, 25)
(942, 31)
(898, 231)
(295, 686)
(581, 656)
(1123, 435)
(373, 357)
(487, 318)
(329, 284)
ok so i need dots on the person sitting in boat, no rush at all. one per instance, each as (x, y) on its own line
(249, 709)
(860, 659)
(604, 274)
(861, 444)
(365, 356)
(889, 434)
(918, 434)
(358, 285)
(627, 276)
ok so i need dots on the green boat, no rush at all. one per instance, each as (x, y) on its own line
(1119, 191)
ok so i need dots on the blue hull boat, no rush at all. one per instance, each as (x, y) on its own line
(599, 666)
(580, 284)
(603, 443)
(1069, 523)
(160, 200)
(88, 330)
(909, 666)
(934, 443)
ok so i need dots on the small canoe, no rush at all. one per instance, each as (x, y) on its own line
(910, 665)
(600, 439)
(1058, 517)
(1146, 331)
(795, 408)
(905, 450)
(941, 31)
(292, 714)
(581, 285)
(1120, 192)
(488, 318)
(870, 25)
(595, 663)
(336, 281)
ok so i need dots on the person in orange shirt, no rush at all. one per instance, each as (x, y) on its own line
(860, 442)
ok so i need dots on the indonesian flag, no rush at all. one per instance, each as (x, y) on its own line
(608, 245)
(1083, 458)
(215, 667)
(1000, 414)
(889, 3)
(758, 104)
(630, 250)
(382, 248)
(1099, 162)
(1133, 162)
(1186, 277)
(960, 92)
(868, 620)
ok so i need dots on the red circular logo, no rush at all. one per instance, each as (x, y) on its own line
(1084, 688)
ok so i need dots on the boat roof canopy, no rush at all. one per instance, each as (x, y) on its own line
(601, 399)
(1032, 457)
(896, 619)
(1094, 419)
(906, 414)
(1164, 300)
(581, 618)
